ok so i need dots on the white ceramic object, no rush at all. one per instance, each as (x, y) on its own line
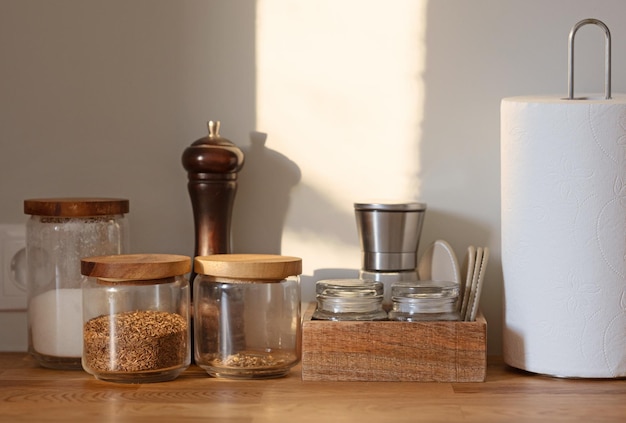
(439, 263)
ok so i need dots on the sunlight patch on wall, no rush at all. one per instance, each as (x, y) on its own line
(340, 93)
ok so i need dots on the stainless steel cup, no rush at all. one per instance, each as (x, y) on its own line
(389, 234)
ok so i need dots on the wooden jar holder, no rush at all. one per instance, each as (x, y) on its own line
(387, 351)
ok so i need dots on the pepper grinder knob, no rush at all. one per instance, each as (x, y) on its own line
(214, 128)
(212, 165)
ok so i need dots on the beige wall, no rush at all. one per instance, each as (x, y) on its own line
(102, 97)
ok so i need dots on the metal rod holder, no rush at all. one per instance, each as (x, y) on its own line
(607, 57)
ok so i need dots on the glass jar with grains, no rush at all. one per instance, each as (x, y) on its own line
(247, 315)
(136, 317)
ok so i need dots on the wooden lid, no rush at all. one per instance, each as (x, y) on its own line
(75, 207)
(248, 266)
(135, 266)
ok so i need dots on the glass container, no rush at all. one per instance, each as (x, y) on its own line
(424, 301)
(349, 299)
(136, 317)
(59, 232)
(247, 315)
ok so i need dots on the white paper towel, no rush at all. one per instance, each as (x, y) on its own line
(563, 166)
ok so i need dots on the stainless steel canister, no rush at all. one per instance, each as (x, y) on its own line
(389, 234)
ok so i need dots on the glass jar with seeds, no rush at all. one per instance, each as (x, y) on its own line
(247, 315)
(136, 317)
(59, 232)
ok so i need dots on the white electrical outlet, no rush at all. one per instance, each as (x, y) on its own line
(12, 267)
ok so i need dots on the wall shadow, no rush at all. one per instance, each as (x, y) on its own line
(264, 192)
(267, 185)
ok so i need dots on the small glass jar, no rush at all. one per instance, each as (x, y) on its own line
(349, 299)
(247, 315)
(59, 233)
(424, 301)
(136, 317)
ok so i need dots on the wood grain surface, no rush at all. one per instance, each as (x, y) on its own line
(31, 393)
(76, 207)
(383, 351)
(135, 266)
(266, 267)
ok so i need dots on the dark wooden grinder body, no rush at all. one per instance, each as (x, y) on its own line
(212, 165)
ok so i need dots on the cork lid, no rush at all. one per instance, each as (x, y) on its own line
(75, 207)
(135, 267)
(248, 266)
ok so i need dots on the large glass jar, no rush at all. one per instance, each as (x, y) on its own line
(247, 315)
(136, 317)
(59, 233)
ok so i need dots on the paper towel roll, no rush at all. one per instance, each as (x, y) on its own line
(563, 166)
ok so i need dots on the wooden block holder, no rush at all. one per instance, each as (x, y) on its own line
(386, 351)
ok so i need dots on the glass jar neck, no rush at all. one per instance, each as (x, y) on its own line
(424, 305)
(235, 281)
(349, 305)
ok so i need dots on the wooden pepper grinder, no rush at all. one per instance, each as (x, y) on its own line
(212, 165)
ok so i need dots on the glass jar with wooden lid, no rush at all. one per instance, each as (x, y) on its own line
(59, 232)
(247, 315)
(136, 317)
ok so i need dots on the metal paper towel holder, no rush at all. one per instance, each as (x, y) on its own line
(607, 57)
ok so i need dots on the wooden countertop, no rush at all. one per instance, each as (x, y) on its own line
(34, 394)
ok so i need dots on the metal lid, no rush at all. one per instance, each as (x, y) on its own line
(75, 207)
(391, 206)
(135, 267)
(249, 267)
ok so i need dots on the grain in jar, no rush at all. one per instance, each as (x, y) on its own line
(136, 317)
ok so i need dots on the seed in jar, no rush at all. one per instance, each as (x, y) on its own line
(249, 360)
(135, 341)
